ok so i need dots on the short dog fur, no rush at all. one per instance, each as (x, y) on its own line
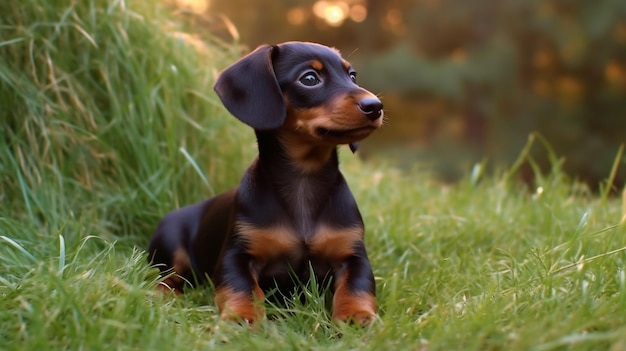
(292, 214)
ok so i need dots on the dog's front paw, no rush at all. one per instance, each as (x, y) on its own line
(244, 314)
(239, 307)
(358, 308)
(363, 318)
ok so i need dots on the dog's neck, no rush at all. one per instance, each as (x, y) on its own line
(304, 175)
(287, 151)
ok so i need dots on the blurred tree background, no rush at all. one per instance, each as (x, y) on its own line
(466, 80)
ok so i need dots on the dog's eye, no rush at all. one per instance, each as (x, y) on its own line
(353, 76)
(310, 79)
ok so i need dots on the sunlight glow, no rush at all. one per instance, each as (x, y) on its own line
(543, 59)
(296, 16)
(197, 6)
(394, 21)
(333, 12)
(615, 73)
(358, 13)
(394, 17)
(335, 15)
(336, 12)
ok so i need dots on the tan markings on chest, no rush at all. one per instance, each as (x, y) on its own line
(335, 244)
(281, 242)
(268, 244)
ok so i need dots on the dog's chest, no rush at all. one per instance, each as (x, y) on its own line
(277, 249)
(302, 233)
(305, 199)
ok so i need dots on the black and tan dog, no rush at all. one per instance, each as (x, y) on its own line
(292, 214)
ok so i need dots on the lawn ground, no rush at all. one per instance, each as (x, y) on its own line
(109, 121)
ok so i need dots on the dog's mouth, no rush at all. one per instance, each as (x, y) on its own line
(360, 132)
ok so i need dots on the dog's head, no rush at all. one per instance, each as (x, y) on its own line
(306, 88)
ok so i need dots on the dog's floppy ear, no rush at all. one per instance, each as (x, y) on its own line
(249, 90)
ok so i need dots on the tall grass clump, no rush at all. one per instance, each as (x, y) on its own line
(107, 121)
(104, 105)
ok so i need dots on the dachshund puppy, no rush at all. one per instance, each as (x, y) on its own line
(292, 215)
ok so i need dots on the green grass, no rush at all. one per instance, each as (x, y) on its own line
(109, 121)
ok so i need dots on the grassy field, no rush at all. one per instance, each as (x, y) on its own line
(109, 121)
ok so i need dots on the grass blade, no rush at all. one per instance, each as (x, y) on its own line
(19, 247)
(606, 190)
(61, 253)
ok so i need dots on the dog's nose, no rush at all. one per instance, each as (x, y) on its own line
(372, 108)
